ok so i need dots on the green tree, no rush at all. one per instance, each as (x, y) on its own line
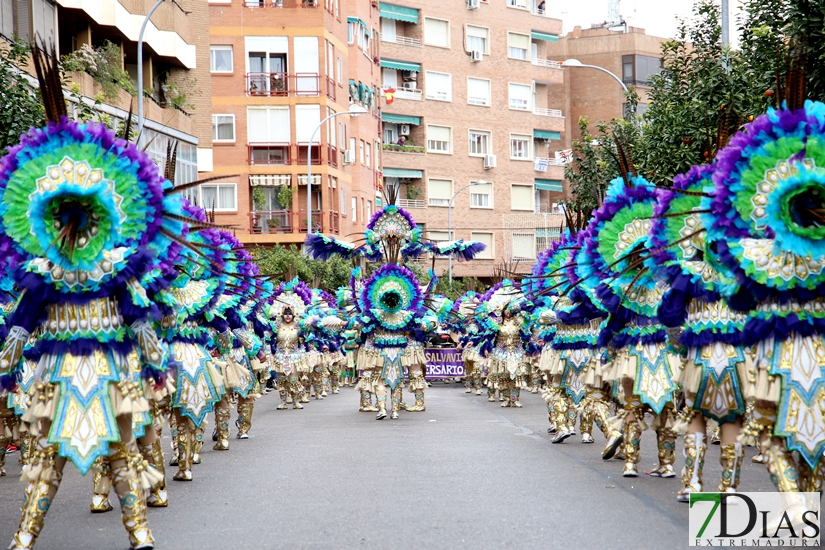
(588, 173)
(20, 105)
(286, 262)
(807, 18)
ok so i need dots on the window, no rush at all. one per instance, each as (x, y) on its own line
(343, 202)
(223, 128)
(352, 28)
(436, 32)
(520, 146)
(340, 71)
(439, 139)
(478, 39)
(520, 97)
(479, 143)
(478, 91)
(307, 118)
(267, 124)
(487, 240)
(637, 69)
(220, 59)
(439, 192)
(369, 210)
(377, 154)
(361, 150)
(517, 46)
(342, 135)
(354, 210)
(352, 143)
(438, 236)
(521, 197)
(481, 195)
(521, 4)
(439, 86)
(367, 150)
(220, 196)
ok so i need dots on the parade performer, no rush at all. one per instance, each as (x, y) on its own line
(465, 328)
(290, 302)
(716, 362)
(87, 214)
(763, 219)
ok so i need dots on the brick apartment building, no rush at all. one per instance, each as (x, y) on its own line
(175, 52)
(278, 68)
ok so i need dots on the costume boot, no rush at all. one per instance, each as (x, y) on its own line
(382, 407)
(186, 439)
(565, 415)
(632, 450)
(173, 460)
(504, 395)
(5, 439)
(222, 415)
(157, 496)
(396, 402)
(478, 384)
(730, 457)
(198, 446)
(123, 458)
(588, 414)
(42, 481)
(695, 448)
(419, 402)
(102, 486)
(244, 421)
(468, 385)
(282, 393)
(810, 481)
(781, 468)
(514, 398)
(666, 443)
(491, 391)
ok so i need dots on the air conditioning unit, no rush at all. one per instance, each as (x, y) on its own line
(476, 55)
(404, 130)
(349, 156)
(472, 4)
(409, 86)
(489, 161)
(409, 75)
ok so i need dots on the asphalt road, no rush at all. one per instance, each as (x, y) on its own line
(464, 474)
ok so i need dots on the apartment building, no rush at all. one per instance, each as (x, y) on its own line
(280, 67)
(174, 52)
(472, 118)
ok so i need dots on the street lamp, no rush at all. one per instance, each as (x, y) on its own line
(140, 66)
(574, 63)
(354, 110)
(450, 222)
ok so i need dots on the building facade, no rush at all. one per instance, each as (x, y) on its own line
(470, 120)
(279, 68)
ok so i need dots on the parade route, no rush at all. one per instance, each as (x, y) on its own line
(464, 474)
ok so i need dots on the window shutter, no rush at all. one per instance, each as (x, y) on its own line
(478, 91)
(440, 189)
(521, 41)
(307, 118)
(438, 133)
(437, 32)
(521, 197)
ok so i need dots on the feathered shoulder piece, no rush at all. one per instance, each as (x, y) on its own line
(506, 296)
(767, 212)
(614, 246)
(83, 208)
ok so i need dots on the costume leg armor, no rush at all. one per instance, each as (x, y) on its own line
(157, 496)
(244, 421)
(382, 406)
(632, 450)
(417, 385)
(123, 459)
(173, 461)
(535, 380)
(588, 415)
(198, 446)
(102, 483)
(505, 385)
(781, 467)
(514, 397)
(666, 444)
(6, 431)
(44, 474)
(731, 457)
(396, 401)
(491, 387)
(283, 391)
(695, 448)
(614, 437)
(186, 440)
(222, 414)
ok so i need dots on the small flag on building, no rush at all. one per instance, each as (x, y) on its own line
(389, 95)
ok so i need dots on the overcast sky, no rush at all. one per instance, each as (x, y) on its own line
(657, 17)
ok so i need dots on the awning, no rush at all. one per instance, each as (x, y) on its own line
(399, 13)
(402, 173)
(549, 185)
(401, 65)
(538, 35)
(400, 119)
(356, 20)
(546, 134)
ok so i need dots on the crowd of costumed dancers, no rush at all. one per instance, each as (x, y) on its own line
(124, 310)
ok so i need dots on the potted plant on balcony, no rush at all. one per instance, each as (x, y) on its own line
(258, 204)
(413, 193)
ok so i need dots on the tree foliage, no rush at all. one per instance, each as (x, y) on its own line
(20, 105)
(286, 262)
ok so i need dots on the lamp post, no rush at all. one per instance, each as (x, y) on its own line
(450, 223)
(574, 63)
(354, 110)
(140, 65)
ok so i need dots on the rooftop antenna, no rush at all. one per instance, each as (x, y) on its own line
(614, 17)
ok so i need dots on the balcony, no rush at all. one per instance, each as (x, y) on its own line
(547, 112)
(412, 203)
(546, 63)
(418, 149)
(401, 40)
(269, 154)
(270, 221)
(405, 93)
(283, 84)
(281, 3)
(322, 221)
(540, 164)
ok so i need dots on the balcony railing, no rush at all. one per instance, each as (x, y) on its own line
(402, 40)
(283, 84)
(402, 148)
(326, 221)
(540, 164)
(403, 93)
(412, 203)
(546, 63)
(547, 112)
(267, 154)
(270, 221)
(281, 3)
(330, 88)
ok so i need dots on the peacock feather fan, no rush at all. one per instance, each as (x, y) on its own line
(391, 297)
